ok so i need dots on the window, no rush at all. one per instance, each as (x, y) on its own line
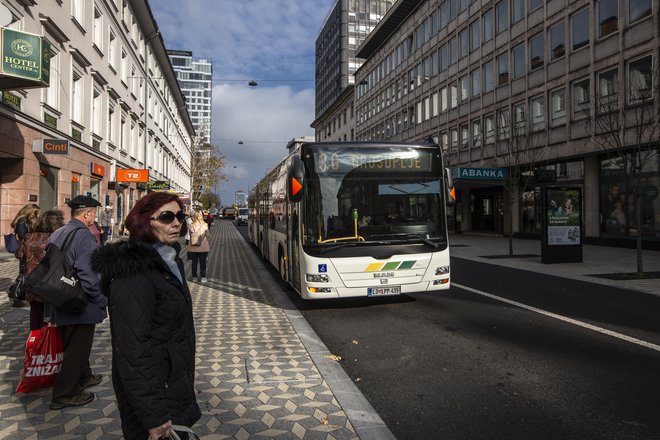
(453, 95)
(78, 11)
(536, 48)
(640, 80)
(476, 133)
(558, 103)
(502, 16)
(465, 136)
(97, 111)
(581, 106)
(534, 4)
(608, 17)
(475, 36)
(487, 21)
(52, 92)
(454, 138)
(444, 15)
(465, 88)
(557, 45)
(517, 10)
(489, 77)
(434, 105)
(453, 51)
(443, 58)
(444, 141)
(580, 28)
(98, 29)
(638, 9)
(518, 53)
(489, 126)
(503, 69)
(503, 124)
(111, 122)
(519, 119)
(476, 82)
(77, 97)
(608, 89)
(537, 106)
(463, 38)
(443, 99)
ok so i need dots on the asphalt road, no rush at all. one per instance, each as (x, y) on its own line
(460, 365)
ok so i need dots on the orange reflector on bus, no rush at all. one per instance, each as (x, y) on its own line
(295, 186)
(453, 193)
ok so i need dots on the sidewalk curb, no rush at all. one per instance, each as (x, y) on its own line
(364, 418)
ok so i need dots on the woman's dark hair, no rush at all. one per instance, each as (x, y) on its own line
(138, 221)
(49, 221)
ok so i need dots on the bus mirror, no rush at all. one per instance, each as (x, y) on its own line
(451, 190)
(296, 179)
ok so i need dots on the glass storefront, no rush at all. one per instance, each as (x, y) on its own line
(618, 190)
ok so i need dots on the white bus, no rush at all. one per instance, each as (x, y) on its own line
(355, 219)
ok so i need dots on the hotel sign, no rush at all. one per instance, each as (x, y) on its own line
(51, 146)
(480, 173)
(24, 60)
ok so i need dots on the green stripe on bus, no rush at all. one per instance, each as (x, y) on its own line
(391, 266)
(407, 265)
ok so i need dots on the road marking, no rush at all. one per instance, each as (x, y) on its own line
(563, 318)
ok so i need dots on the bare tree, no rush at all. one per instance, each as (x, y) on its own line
(625, 125)
(519, 149)
(205, 170)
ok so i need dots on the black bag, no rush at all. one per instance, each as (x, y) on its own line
(11, 243)
(55, 281)
(17, 290)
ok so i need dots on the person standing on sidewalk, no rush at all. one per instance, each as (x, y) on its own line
(23, 224)
(198, 248)
(77, 329)
(33, 250)
(151, 320)
(105, 220)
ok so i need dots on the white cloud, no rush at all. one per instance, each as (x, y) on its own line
(264, 119)
(271, 40)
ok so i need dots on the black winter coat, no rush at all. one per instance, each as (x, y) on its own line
(153, 337)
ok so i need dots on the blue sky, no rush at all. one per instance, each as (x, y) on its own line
(268, 40)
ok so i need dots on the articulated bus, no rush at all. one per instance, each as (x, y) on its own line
(352, 219)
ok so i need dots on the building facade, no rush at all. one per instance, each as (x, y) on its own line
(529, 88)
(346, 26)
(194, 75)
(112, 104)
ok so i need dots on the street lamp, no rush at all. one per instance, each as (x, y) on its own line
(253, 83)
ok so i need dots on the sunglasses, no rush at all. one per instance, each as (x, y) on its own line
(168, 217)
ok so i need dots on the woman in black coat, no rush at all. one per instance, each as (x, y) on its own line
(151, 321)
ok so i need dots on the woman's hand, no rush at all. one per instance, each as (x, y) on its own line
(162, 431)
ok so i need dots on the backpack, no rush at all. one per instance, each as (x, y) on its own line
(55, 281)
(197, 237)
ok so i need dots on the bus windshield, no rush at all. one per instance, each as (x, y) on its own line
(374, 194)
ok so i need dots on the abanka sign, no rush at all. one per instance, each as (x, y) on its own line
(480, 173)
(24, 60)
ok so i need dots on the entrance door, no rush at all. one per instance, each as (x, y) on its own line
(484, 212)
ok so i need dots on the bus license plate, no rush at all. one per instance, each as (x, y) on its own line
(381, 291)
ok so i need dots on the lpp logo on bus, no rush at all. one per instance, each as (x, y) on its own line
(323, 268)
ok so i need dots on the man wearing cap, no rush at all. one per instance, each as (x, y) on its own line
(105, 220)
(77, 330)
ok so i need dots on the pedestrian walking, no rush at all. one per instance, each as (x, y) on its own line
(77, 329)
(198, 249)
(151, 320)
(105, 220)
(33, 250)
(23, 225)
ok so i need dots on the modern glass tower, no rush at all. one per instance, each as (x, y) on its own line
(347, 25)
(194, 76)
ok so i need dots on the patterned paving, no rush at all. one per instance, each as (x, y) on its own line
(254, 377)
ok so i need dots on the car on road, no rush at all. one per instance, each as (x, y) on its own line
(242, 217)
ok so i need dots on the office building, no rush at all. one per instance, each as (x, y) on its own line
(525, 88)
(194, 75)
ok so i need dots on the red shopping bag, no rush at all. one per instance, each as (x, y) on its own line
(43, 359)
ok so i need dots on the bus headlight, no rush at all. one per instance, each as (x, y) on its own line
(317, 278)
(442, 270)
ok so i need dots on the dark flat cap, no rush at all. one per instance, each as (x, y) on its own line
(83, 202)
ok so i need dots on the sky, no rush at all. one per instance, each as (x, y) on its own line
(269, 41)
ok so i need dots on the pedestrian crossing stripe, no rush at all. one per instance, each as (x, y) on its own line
(392, 265)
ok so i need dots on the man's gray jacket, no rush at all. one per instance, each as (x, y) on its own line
(79, 256)
(105, 218)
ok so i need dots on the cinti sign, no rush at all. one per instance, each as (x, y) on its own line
(24, 60)
(480, 173)
(51, 146)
